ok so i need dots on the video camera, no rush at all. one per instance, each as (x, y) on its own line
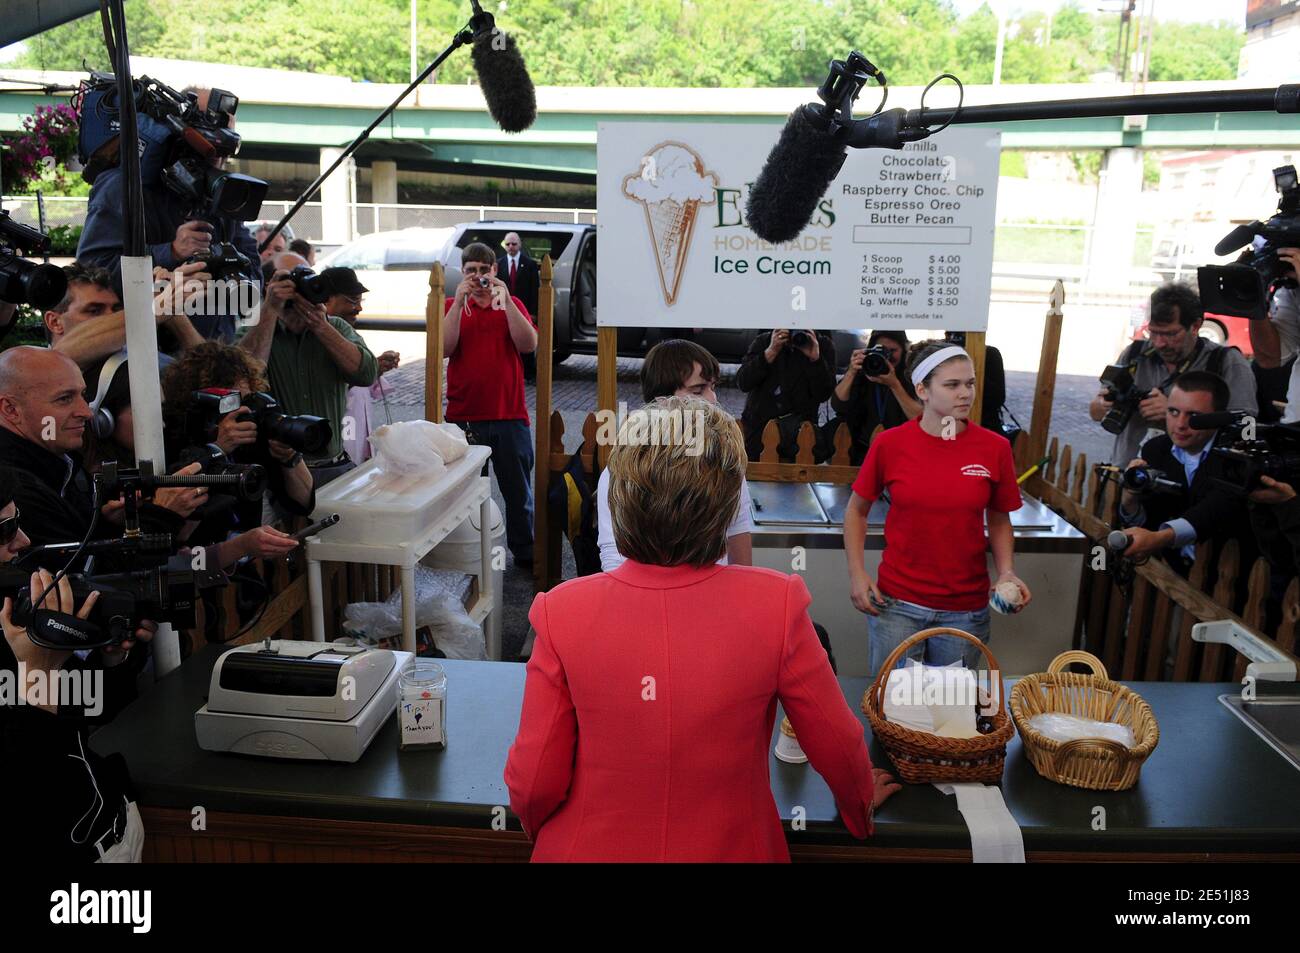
(302, 432)
(1245, 288)
(1125, 397)
(1146, 480)
(163, 593)
(22, 281)
(178, 140)
(167, 593)
(1252, 450)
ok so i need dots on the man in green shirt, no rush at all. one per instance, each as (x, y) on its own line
(311, 360)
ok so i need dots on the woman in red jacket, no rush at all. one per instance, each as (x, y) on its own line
(651, 692)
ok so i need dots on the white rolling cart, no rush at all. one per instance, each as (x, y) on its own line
(392, 520)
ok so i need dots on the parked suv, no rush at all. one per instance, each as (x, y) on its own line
(395, 265)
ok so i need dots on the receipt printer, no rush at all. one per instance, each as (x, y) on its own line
(319, 701)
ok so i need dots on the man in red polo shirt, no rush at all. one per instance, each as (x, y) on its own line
(485, 332)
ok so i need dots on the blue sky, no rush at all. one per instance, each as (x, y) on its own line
(1188, 10)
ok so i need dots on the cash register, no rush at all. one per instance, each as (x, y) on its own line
(319, 701)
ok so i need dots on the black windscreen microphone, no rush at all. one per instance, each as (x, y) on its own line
(1239, 236)
(798, 171)
(502, 75)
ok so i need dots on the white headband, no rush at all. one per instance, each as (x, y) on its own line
(934, 360)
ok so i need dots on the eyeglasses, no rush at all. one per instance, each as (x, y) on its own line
(1173, 335)
(9, 529)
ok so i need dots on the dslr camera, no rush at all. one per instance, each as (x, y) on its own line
(309, 284)
(876, 362)
(1244, 289)
(1124, 395)
(302, 432)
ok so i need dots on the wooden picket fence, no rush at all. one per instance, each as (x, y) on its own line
(1134, 633)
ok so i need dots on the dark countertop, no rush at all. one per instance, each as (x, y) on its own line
(1211, 785)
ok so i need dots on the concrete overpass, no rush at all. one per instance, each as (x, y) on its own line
(290, 116)
(304, 117)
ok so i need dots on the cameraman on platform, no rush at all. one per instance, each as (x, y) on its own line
(1189, 506)
(787, 375)
(172, 235)
(1175, 347)
(311, 360)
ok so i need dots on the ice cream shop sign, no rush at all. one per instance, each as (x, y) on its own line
(901, 239)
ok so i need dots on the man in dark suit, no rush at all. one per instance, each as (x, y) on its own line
(524, 279)
(1193, 507)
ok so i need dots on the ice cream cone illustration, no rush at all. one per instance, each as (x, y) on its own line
(671, 185)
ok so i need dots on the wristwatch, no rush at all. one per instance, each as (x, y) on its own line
(293, 461)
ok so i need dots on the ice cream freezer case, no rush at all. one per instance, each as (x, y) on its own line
(799, 528)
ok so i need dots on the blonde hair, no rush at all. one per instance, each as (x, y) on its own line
(672, 499)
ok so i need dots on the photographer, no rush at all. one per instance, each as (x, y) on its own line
(43, 419)
(1175, 347)
(865, 401)
(786, 375)
(311, 360)
(1189, 507)
(279, 245)
(74, 806)
(484, 335)
(173, 235)
(1277, 340)
(345, 301)
(215, 520)
(89, 324)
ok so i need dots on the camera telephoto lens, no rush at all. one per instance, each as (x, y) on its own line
(304, 433)
(876, 363)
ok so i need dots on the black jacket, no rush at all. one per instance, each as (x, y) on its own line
(55, 496)
(791, 385)
(869, 405)
(1215, 512)
(528, 280)
(62, 796)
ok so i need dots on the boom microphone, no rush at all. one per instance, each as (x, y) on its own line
(798, 171)
(1241, 235)
(502, 76)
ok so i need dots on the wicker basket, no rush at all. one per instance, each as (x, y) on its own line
(920, 757)
(1096, 763)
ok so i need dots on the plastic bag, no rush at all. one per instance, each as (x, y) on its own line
(937, 699)
(1060, 727)
(439, 604)
(418, 446)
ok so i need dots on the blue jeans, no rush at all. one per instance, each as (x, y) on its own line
(899, 621)
(512, 460)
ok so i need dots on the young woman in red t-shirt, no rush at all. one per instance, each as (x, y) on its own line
(942, 475)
